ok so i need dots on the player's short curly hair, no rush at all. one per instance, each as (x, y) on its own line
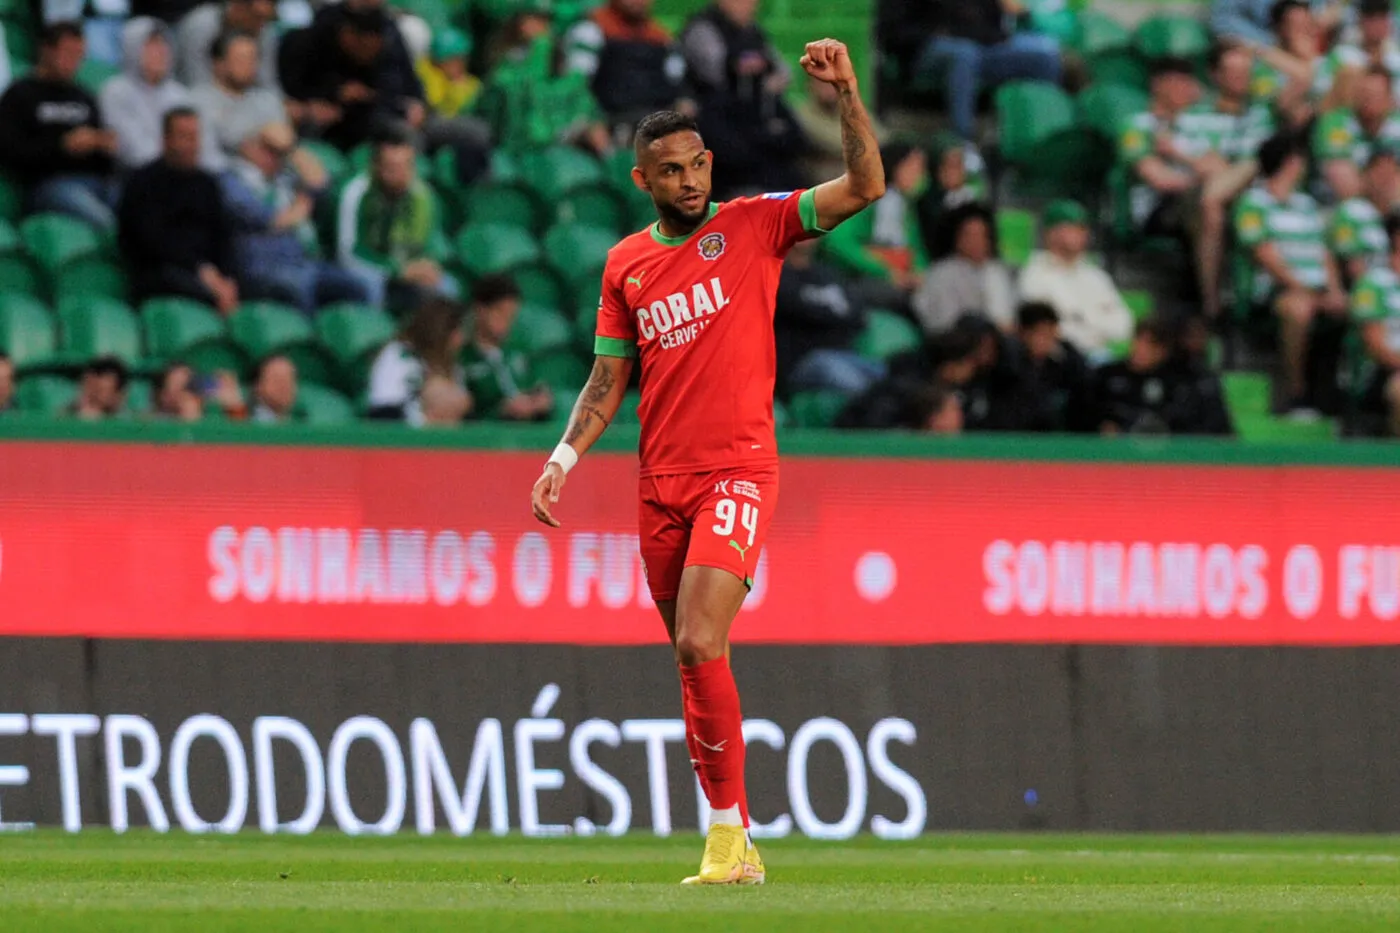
(661, 124)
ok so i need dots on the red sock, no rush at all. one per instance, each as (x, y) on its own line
(690, 742)
(716, 723)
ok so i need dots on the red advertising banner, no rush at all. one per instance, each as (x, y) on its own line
(226, 542)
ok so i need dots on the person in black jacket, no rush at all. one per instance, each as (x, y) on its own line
(816, 320)
(739, 79)
(971, 49)
(632, 63)
(173, 229)
(350, 73)
(1154, 391)
(51, 134)
(1053, 375)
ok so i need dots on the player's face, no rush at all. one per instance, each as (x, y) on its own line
(675, 171)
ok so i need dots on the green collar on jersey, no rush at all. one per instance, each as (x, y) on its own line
(664, 240)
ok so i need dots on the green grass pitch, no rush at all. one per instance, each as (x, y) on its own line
(143, 882)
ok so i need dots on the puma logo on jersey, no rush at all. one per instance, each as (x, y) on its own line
(676, 319)
(716, 748)
(636, 279)
(742, 550)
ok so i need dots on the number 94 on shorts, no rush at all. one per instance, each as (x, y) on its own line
(717, 519)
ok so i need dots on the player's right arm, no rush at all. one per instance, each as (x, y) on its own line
(616, 349)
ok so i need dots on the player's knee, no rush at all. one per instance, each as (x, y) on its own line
(696, 644)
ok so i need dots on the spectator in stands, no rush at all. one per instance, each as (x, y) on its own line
(958, 178)
(1375, 305)
(968, 278)
(174, 231)
(815, 324)
(449, 87)
(175, 395)
(1092, 314)
(1288, 63)
(739, 80)
(949, 360)
(972, 49)
(1296, 277)
(389, 229)
(444, 401)
(196, 57)
(270, 191)
(7, 383)
(818, 114)
(938, 410)
(884, 242)
(1344, 139)
(1252, 20)
(1053, 376)
(524, 38)
(1229, 127)
(427, 347)
(275, 391)
(51, 134)
(532, 100)
(1203, 398)
(101, 390)
(1162, 157)
(231, 104)
(1356, 233)
(1137, 395)
(499, 378)
(134, 101)
(1375, 47)
(350, 73)
(631, 61)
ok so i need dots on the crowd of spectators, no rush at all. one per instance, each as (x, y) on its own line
(204, 159)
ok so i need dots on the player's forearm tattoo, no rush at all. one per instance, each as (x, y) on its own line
(858, 145)
(600, 383)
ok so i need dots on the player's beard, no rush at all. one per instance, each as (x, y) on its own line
(676, 217)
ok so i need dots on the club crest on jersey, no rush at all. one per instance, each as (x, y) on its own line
(711, 246)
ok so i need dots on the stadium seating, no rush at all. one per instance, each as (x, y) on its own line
(817, 409)
(627, 413)
(46, 395)
(259, 328)
(577, 254)
(488, 248)
(887, 334)
(55, 240)
(11, 196)
(92, 277)
(1178, 36)
(559, 170)
(563, 372)
(92, 327)
(174, 326)
(539, 330)
(319, 405)
(1042, 141)
(18, 276)
(1016, 231)
(1106, 108)
(26, 332)
(496, 202)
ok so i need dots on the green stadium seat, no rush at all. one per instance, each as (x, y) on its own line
(1055, 19)
(539, 330)
(91, 277)
(585, 328)
(436, 13)
(55, 240)
(551, 173)
(782, 417)
(173, 326)
(45, 395)
(817, 409)
(1016, 231)
(886, 334)
(1246, 394)
(320, 405)
(262, 327)
(627, 412)
(1120, 66)
(483, 249)
(618, 168)
(92, 74)
(1266, 429)
(563, 371)
(139, 396)
(313, 363)
(10, 242)
(18, 276)
(504, 167)
(216, 356)
(598, 206)
(350, 333)
(1041, 138)
(337, 166)
(1106, 108)
(493, 202)
(1100, 34)
(578, 252)
(11, 199)
(542, 285)
(26, 331)
(92, 327)
(1176, 36)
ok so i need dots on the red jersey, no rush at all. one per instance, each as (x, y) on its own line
(698, 313)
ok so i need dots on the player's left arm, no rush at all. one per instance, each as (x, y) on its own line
(864, 180)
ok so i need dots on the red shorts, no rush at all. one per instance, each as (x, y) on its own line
(717, 519)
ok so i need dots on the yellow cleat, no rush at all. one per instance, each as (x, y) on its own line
(723, 862)
(754, 872)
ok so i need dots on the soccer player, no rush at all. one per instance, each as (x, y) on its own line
(692, 298)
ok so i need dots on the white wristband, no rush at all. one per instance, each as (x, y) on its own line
(565, 456)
